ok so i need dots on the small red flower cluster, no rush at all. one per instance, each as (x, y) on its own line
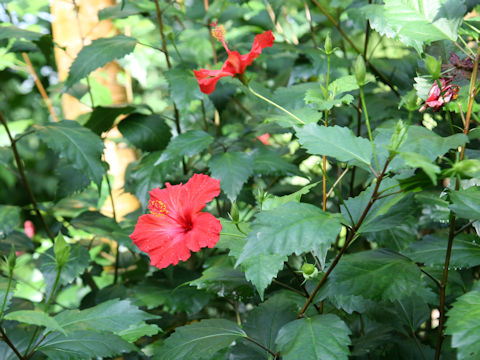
(176, 224)
(438, 97)
(236, 63)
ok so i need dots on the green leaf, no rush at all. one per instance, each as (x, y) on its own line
(81, 147)
(78, 260)
(146, 132)
(335, 141)
(9, 218)
(200, 340)
(262, 268)
(35, 318)
(323, 337)
(183, 87)
(306, 114)
(290, 228)
(13, 32)
(377, 274)
(265, 321)
(415, 160)
(97, 54)
(84, 345)
(135, 332)
(268, 162)
(466, 203)
(70, 180)
(463, 325)
(432, 249)
(113, 316)
(271, 201)
(415, 22)
(102, 117)
(233, 169)
(190, 143)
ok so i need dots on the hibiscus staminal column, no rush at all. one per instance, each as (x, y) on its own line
(176, 224)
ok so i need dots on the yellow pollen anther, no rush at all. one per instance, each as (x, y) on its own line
(218, 32)
(157, 208)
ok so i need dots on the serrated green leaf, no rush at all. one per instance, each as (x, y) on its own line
(415, 160)
(70, 180)
(199, 340)
(415, 22)
(84, 345)
(135, 332)
(463, 325)
(35, 318)
(78, 260)
(306, 114)
(262, 268)
(13, 32)
(334, 141)
(183, 86)
(377, 274)
(323, 337)
(113, 316)
(466, 203)
(431, 250)
(9, 218)
(81, 147)
(290, 228)
(231, 238)
(188, 144)
(146, 132)
(272, 202)
(265, 321)
(232, 169)
(102, 117)
(268, 162)
(97, 54)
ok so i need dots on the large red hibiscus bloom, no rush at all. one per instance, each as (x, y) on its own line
(176, 225)
(235, 64)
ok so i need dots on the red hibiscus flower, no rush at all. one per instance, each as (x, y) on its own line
(437, 98)
(176, 225)
(235, 64)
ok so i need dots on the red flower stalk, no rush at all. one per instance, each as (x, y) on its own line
(236, 63)
(437, 98)
(176, 225)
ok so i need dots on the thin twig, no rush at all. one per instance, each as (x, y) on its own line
(349, 239)
(275, 356)
(21, 171)
(40, 87)
(290, 288)
(10, 344)
(337, 181)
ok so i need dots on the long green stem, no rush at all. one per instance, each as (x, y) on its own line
(367, 121)
(47, 305)
(6, 294)
(274, 104)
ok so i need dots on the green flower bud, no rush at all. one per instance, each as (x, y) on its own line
(360, 71)
(308, 269)
(434, 67)
(465, 169)
(398, 137)
(328, 44)
(61, 250)
(234, 213)
(12, 259)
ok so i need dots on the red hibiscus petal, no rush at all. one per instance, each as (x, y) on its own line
(261, 42)
(200, 190)
(207, 79)
(205, 232)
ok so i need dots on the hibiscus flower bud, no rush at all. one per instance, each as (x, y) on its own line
(12, 259)
(235, 213)
(328, 44)
(308, 269)
(360, 70)
(61, 250)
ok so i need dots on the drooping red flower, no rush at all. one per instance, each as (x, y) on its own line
(236, 63)
(176, 224)
(264, 138)
(437, 98)
(29, 228)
